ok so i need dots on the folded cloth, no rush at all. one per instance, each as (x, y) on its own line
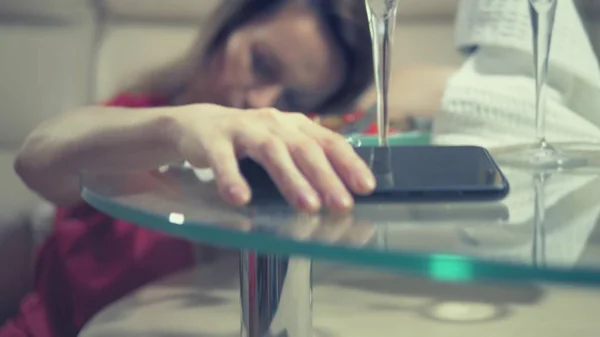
(490, 100)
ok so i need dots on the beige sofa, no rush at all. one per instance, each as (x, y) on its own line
(59, 54)
(45, 63)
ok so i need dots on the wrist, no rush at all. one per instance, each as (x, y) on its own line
(166, 125)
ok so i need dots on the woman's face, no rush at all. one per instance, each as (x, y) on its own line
(285, 61)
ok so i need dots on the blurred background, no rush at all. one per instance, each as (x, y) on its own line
(59, 54)
(56, 54)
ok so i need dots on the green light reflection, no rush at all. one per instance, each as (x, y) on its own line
(449, 268)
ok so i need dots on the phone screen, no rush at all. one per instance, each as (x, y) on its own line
(444, 171)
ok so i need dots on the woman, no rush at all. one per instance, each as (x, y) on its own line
(244, 64)
(211, 109)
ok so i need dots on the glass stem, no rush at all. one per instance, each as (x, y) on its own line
(539, 218)
(542, 14)
(382, 20)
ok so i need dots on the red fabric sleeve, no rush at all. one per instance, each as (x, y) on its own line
(91, 260)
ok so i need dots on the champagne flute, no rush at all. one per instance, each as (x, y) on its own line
(541, 155)
(382, 22)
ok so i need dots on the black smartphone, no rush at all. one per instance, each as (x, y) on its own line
(414, 174)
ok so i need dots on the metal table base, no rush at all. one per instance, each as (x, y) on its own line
(276, 296)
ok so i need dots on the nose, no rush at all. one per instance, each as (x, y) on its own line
(263, 97)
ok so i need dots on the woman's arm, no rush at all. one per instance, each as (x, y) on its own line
(415, 91)
(312, 166)
(93, 138)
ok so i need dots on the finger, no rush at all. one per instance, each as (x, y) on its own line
(333, 227)
(302, 226)
(348, 164)
(359, 234)
(268, 150)
(310, 158)
(223, 161)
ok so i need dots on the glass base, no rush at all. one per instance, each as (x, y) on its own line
(562, 156)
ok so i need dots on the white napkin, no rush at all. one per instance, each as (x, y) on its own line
(490, 100)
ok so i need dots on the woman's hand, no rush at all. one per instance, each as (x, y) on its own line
(312, 166)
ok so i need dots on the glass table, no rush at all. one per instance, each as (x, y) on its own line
(541, 231)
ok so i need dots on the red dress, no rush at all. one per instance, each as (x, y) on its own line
(90, 261)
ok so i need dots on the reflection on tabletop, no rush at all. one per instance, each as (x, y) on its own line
(544, 222)
(353, 302)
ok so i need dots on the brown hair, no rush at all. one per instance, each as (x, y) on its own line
(345, 21)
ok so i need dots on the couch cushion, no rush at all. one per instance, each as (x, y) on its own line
(129, 50)
(16, 237)
(15, 197)
(173, 10)
(45, 66)
(47, 11)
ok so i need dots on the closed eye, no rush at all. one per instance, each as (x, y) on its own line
(298, 101)
(262, 67)
(290, 101)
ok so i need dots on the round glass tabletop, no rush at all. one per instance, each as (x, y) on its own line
(544, 229)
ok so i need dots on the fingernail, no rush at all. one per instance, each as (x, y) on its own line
(342, 201)
(309, 200)
(364, 183)
(237, 194)
(368, 182)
